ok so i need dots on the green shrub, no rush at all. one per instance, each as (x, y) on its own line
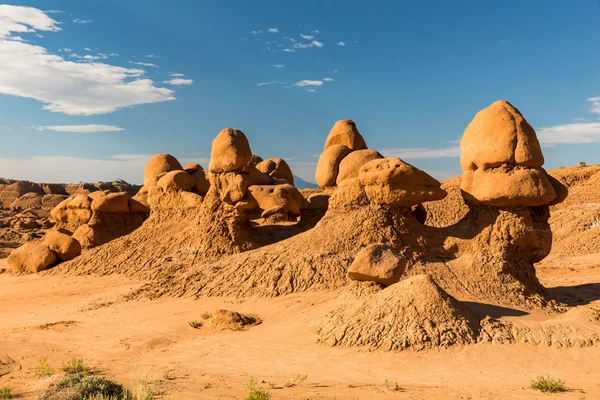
(582, 164)
(43, 369)
(6, 392)
(83, 387)
(548, 385)
(76, 366)
(256, 394)
(195, 324)
(394, 387)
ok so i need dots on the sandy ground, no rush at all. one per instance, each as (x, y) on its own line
(54, 318)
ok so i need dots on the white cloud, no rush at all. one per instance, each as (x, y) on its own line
(90, 128)
(341, 44)
(267, 83)
(289, 50)
(143, 64)
(420, 153)
(595, 105)
(76, 88)
(151, 56)
(257, 32)
(279, 65)
(307, 37)
(328, 80)
(311, 90)
(335, 71)
(273, 30)
(307, 82)
(314, 43)
(82, 21)
(87, 49)
(316, 31)
(22, 19)
(585, 132)
(179, 81)
(176, 75)
(129, 167)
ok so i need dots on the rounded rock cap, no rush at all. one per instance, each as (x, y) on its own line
(345, 132)
(230, 151)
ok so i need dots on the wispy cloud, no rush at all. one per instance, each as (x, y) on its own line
(314, 43)
(176, 75)
(82, 21)
(151, 56)
(340, 44)
(267, 83)
(90, 128)
(421, 152)
(288, 50)
(273, 30)
(594, 107)
(76, 88)
(308, 82)
(585, 132)
(327, 79)
(278, 65)
(307, 37)
(179, 82)
(143, 64)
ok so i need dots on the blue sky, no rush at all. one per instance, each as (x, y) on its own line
(90, 89)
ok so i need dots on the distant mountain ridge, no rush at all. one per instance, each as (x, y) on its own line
(302, 184)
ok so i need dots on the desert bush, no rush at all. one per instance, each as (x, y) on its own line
(205, 315)
(76, 366)
(43, 369)
(548, 385)
(80, 386)
(254, 393)
(296, 381)
(6, 392)
(393, 387)
(195, 324)
(582, 164)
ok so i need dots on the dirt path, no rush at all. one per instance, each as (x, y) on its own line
(55, 318)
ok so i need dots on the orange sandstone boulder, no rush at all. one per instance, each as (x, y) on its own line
(230, 151)
(65, 247)
(352, 163)
(112, 203)
(159, 164)
(378, 263)
(31, 257)
(176, 180)
(201, 183)
(501, 160)
(345, 132)
(393, 182)
(329, 163)
(276, 168)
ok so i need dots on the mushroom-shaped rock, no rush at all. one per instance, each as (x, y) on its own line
(351, 164)
(159, 164)
(276, 168)
(283, 199)
(191, 168)
(393, 182)
(65, 247)
(344, 132)
(329, 164)
(112, 203)
(230, 151)
(378, 263)
(31, 257)
(176, 180)
(501, 160)
(201, 183)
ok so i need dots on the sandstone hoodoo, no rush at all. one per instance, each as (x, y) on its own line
(276, 168)
(329, 164)
(501, 160)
